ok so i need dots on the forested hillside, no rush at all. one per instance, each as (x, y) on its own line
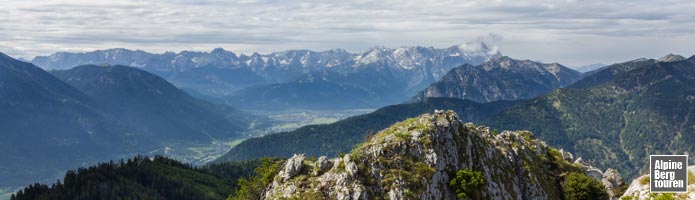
(145, 178)
(643, 111)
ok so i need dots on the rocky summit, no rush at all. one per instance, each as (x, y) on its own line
(435, 156)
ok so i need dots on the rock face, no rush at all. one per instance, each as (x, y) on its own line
(322, 164)
(417, 158)
(501, 78)
(611, 179)
(639, 188)
(292, 167)
(613, 182)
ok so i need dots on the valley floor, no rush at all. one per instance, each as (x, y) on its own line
(290, 120)
(199, 154)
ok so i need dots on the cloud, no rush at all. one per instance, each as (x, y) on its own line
(572, 31)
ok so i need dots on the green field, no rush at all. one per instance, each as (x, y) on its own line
(197, 154)
(295, 125)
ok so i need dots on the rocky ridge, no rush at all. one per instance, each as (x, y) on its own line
(417, 159)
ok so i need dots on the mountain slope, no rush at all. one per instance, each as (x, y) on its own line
(616, 123)
(147, 102)
(438, 157)
(341, 136)
(501, 78)
(47, 125)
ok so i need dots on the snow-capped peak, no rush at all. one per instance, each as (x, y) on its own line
(405, 57)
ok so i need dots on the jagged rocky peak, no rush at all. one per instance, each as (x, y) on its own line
(613, 182)
(412, 57)
(418, 158)
(502, 61)
(507, 63)
(671, 58)
(220, 52)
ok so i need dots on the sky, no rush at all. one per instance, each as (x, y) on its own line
(571, 32)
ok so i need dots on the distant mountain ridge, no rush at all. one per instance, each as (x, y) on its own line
(147, 102)
(290, 60)
(606, 74)
(588, 68)
(221, 73)
(501, 78)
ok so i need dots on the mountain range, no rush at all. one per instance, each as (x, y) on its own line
(605, 118)
(301, 78)
(51, 122)
(470, 90)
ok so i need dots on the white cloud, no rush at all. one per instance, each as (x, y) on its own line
(573, 32)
